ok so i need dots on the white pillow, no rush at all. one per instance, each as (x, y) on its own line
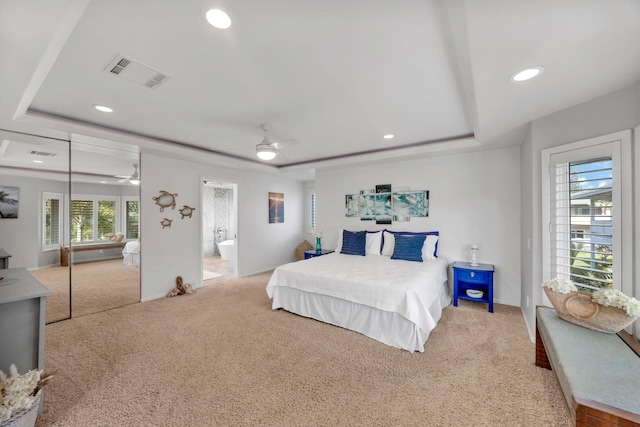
(374, 241)
(389, 244)
(339, 244)
(429, 247)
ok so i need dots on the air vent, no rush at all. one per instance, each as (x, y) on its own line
(136, 72)
(42, 153)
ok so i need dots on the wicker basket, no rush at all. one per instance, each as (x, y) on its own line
(24, 418)
(580, 309)
(302, 247)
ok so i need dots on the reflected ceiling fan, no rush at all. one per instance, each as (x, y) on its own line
(267, 149)
(132, 179)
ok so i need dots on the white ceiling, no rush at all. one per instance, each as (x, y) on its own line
(334, 76)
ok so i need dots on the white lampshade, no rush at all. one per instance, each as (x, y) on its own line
(266, 151)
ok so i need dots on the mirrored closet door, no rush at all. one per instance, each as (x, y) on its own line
(103, 245)
(34, 179)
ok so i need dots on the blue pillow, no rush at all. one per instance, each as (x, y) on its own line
(413, 233)
(408, 247)
(354, 242)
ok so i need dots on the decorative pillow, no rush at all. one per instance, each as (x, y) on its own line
(430, 247)
(388, 242)
(339, 244)
(374, 242)
(430, 250)
(354, 242)
(408, 247)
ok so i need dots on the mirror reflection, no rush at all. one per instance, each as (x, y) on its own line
(73, 220)
(37, 169)
(103, 246)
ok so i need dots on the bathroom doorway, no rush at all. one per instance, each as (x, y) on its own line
(219, 201)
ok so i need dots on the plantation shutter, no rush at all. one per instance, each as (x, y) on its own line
(81, 220)
(132, 218)
(312, 212)
(582, 207)
(52, 221)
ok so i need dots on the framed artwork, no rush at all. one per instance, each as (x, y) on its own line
(276, 208)
(385, 206)
(8, 202)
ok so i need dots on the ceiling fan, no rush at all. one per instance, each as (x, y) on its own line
(132, 179)
(268, 149)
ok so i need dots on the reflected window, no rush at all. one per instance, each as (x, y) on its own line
(94, 218)
(52, 216)
(131, 218)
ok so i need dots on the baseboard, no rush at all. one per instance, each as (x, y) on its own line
(151, 298)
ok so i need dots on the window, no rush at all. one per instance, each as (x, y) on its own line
(52, 216)
(93, 218)
(585, 252)
(312, 210)
(583, 193)
(131, 217)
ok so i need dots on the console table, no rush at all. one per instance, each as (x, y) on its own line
(22, 318)
(4, 259)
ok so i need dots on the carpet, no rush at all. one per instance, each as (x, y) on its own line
(223, 357)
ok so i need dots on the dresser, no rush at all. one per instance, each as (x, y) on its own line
(22, 320)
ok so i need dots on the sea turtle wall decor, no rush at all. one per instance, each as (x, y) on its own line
(166, 199)
(166, 223)
(186, 211)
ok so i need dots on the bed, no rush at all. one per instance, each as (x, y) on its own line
(131, 253)
(391, 299)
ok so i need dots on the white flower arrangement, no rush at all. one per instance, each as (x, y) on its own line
(560, 286)
(317, 234)
(19, 392)
(614, 298)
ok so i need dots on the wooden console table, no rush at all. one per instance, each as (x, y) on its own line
(64, 250)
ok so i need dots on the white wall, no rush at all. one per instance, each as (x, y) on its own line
(604, 115)
(176, 251)
(473, 198)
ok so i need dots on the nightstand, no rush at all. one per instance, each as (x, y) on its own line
(313, 253)
(478, 277)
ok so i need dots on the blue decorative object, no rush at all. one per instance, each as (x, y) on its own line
(408, 247)
(354, 242)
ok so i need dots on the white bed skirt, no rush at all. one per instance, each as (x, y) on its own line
(385, 326)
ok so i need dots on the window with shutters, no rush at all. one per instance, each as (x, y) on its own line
(312, 210)
(131, 217)
(93, 218)
(584, 216)
(52, 215)
(582, 221)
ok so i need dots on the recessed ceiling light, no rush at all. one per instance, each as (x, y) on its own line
(103, 108)
(218, 18)
(388, 136)
(38, 161)
(527, 74)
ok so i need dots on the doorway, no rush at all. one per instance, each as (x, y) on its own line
(219, 251)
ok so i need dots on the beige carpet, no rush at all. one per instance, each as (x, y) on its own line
(222, 357)
(97, 286)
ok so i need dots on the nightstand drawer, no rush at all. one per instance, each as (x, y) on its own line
(473, 276)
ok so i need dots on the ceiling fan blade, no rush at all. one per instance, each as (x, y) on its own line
(285, 143)
(125, 179)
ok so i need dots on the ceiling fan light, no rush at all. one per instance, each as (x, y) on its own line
(218, 19)
(266, 151)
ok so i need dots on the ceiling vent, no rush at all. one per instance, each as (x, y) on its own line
(136, 72)
(42, 153)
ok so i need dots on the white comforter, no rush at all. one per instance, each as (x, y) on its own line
(404, 287)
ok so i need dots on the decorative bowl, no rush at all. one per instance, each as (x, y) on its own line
(474, 293)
